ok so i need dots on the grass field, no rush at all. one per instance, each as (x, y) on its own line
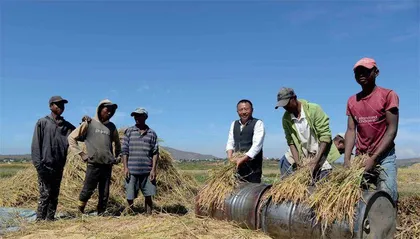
(8, 170)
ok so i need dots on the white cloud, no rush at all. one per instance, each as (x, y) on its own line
(144, 87)
(306, 15)
(407, 152)
(396, 6)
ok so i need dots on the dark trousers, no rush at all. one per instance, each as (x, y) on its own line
(252, 178)
(97, 175)
(49, 188)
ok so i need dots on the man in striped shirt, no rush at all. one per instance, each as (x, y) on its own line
(140, 152)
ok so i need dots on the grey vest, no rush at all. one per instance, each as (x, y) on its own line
(99, 142)
(243, 142)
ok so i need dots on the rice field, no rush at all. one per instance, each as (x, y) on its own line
(163, 225)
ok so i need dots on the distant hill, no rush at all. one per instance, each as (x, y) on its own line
(183, 155)
(177, 154)
(407, 162)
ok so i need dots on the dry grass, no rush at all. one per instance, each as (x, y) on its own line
(220, 185)
(155, 226)
(293, 187)
(409, 202)
(409, 217)
(173, 188)
(335, 197)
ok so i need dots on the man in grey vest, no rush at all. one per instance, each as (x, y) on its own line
(98, 135)
(247, 135)
(49, 153)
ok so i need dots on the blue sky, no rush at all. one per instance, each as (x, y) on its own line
(189, 63)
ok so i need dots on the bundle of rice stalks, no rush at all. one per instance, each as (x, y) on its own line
(409, 217)
(292, 188)
(220, 185)
(335, 196)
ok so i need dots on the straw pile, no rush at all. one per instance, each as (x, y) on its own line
(294, 187)
(173, 188)
(336, 195)
(409, 217)
(139, 226)
(220, 185)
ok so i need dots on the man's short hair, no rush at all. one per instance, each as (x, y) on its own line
(244, 101)
(338, 138)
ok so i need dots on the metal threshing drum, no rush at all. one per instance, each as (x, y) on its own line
(241, 207)
(375, 218)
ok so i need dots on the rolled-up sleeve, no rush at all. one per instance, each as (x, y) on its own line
(125, 146)
(257, 139)
(230, 145)
(156, 145)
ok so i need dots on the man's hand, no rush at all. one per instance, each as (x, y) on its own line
(241, 161)
(346, 165)
(152, 175)
(84, 156)
(370, 163)
(126, 172)
(86, 118)
(118, 159)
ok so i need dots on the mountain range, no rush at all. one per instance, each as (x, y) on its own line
(176, 154)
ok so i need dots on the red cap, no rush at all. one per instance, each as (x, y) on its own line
(365, 62)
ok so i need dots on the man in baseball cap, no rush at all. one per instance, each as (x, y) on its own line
(308, 135)
(56, 99)
(283, 97)
(140, 111)
(373, 113)
(140, 152)
(49, 152)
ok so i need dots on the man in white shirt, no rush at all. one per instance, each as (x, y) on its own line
(247, 135)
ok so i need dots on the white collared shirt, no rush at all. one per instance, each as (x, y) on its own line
(257, 139)
(307, 138)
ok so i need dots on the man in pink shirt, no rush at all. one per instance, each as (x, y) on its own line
(373, 124)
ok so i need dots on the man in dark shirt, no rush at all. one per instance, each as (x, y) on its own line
(49, 153)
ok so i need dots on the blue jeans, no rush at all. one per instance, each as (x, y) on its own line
(387, 180)
(286, 169)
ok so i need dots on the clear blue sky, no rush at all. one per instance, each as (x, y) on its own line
(189, 63)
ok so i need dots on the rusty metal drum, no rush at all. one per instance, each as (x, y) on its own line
(375, 218)
(241, 207)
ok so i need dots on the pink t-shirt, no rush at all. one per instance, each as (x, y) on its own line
(370, 116)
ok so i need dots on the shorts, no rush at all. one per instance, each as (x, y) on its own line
(140, 182)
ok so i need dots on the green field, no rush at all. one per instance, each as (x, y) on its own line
(8, 170)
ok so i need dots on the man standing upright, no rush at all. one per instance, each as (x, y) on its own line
(140, 153)
(247, 135)
(98, 135)
(49, 152)
(373, 124)
(308, 134)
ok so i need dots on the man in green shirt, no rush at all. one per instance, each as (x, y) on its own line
(307, 130)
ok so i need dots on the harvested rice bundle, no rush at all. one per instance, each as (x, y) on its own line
(221, 183)
(293, 187)
(335, 196)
